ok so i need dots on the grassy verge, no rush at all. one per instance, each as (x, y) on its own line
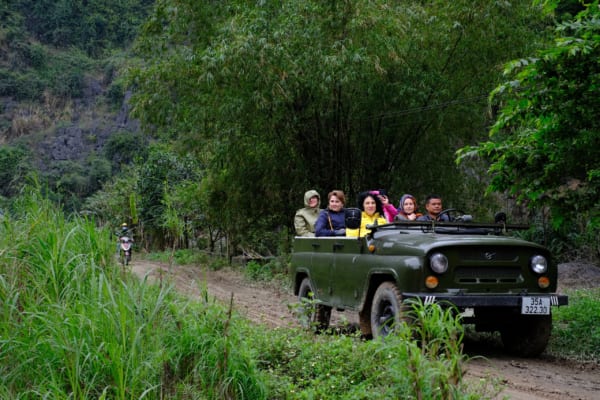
(576, 331)
(73, 325)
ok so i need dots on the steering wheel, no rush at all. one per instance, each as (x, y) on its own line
(453, 214)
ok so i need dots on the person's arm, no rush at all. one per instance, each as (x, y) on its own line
(390, 211)
(322, 226)
(301, 225)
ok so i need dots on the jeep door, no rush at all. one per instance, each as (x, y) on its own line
(348, 276)
(322, 265)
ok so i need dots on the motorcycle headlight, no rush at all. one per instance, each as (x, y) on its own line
(438, 263)
(538, 264)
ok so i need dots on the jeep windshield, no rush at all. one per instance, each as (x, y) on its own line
(455, 227)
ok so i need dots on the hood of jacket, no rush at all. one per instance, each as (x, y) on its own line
(309, 194)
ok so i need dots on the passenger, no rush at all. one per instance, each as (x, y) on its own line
(372, 213)
(433, 205)
(331, 221)
(305, 218)
(389, 211)
(407, 211)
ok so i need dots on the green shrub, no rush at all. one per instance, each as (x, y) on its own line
(28, 86)
(123, 147)
(14, 164)
(36, 55)
(217, 263)
(257, 271)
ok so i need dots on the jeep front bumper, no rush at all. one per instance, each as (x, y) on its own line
(468, 300)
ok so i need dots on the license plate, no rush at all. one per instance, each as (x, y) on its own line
(535, 306)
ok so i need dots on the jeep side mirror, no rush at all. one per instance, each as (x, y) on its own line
(352, 218)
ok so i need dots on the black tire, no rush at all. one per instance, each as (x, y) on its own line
(387, 309)
(318, 315)
(527, 336)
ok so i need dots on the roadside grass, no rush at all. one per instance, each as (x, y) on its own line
(74, 325)
(576, 327)
(274, 269)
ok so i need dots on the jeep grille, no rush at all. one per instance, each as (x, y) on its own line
(490, 274)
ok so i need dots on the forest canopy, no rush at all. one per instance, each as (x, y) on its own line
(279, 97)
(544, 147)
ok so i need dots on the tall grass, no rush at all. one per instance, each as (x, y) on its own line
(73, 325)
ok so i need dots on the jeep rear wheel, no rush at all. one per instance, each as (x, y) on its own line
(528, 335)
(312, 315)
(387, 309)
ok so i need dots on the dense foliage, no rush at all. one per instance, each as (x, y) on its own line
(544, 146)
(381, 97)
(49, 46)
(284, 96)
(91, 25)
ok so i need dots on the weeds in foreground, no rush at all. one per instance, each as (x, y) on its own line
(421, 360)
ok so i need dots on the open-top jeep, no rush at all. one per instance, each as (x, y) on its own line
(495, 281)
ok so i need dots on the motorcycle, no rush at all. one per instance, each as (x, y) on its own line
(125, 244)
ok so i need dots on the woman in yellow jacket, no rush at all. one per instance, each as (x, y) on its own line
(371, 213)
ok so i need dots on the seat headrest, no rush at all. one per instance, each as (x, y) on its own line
(352, 217)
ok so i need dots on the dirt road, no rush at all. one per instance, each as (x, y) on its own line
(518, 378)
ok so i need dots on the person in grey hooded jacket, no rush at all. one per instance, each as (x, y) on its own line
(305, 218)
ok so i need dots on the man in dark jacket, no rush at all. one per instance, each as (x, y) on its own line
(433, 205)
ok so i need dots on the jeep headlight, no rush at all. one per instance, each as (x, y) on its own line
(438, 263)
(538, 264)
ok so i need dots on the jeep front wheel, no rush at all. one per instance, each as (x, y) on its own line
(527, 336)
(386, 310)
(312, 314)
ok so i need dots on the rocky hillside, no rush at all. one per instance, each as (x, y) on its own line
(85, 133)
(63, 104)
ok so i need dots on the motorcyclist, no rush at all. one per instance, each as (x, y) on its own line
(124, 231)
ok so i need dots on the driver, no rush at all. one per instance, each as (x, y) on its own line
(433, 205)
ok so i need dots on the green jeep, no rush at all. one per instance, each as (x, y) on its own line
(496, 282)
